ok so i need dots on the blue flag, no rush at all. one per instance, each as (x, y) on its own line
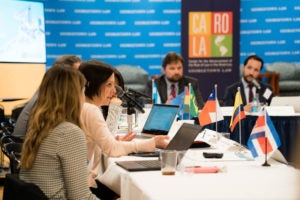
(179, 100)
(155, 95)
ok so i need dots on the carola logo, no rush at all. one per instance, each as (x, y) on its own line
(210, 34)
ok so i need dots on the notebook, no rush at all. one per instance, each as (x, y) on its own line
(160, 119)
(182, 140)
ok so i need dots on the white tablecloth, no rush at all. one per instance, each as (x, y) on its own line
(239, 182)
(236, 180)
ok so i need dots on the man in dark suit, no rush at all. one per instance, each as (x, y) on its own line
(251, 70)
(172, 81)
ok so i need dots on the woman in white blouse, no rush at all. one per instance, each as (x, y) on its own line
(99, 91)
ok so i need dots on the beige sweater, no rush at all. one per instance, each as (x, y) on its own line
(102, 140)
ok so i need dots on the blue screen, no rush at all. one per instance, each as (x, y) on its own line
(161, 117)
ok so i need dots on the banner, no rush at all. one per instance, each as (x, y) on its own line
(140, 33)
(271, 29)
(210, 42)
(119, 32)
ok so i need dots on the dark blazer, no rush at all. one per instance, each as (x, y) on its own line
(162, 88)
(231, 90)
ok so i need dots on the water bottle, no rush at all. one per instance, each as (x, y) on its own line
(255, 104)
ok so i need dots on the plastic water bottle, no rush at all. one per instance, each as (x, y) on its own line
(255, 104)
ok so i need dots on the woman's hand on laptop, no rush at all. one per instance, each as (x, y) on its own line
(161, 141)
(128, 137)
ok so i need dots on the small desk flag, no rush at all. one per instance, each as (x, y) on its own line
(238, 111)
(179, 100)
(155, 95)
(263, 129)
(211, 111)
(193, 104)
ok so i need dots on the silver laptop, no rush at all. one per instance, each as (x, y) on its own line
(287, 101)
(182, 140)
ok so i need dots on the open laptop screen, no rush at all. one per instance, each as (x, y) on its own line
(182, 140)
(287, 101)
(160, 119)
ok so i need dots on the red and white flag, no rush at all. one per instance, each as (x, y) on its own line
(211, 111)
(264, 138)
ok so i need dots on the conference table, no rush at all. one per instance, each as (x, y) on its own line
(285, 120)
(237, 179)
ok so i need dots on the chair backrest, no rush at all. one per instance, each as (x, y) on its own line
(17, 189)
(16, 111)
(273, 79)
(134, 77)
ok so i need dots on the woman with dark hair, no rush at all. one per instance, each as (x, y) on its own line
(112, 112)
(99, 91)
(54, 137)
(119, 78)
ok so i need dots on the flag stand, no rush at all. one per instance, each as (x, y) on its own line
(238, 114)
(153, 100)
(216, 97)
(189, 101)
(266, 164)
(240, 126)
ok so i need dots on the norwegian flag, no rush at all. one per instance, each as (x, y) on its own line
(257, 143)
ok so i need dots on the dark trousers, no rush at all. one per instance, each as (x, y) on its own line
(103, 192)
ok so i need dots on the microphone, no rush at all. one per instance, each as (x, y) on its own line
(123, 95)
(256, 84)
(137, 93)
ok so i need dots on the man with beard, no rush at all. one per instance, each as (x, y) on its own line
(172, 82)
(249, 85)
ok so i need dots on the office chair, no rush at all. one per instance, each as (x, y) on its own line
(11, 147)
(6, 127)
(16, 112)
(2, 115)
(13, 152)
(17, 189)
(134, 77)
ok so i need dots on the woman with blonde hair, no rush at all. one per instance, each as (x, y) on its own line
(54, 154)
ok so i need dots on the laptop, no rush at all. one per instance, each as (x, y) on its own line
(182, 140)
(160, 120)
(287, 101)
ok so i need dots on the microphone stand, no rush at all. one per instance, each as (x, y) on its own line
(130, 112)
(132, 104)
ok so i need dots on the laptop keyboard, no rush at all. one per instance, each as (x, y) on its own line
(149, 163)
(140, 165)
